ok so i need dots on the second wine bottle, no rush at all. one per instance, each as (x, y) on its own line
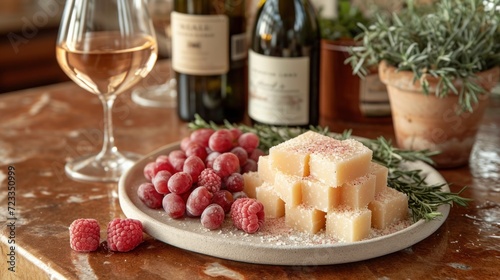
(209, 58)
(284, 65)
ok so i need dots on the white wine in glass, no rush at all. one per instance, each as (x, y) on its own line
(105, 47)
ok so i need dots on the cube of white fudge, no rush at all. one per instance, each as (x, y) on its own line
(288, 188)
(348, 225)
(381, 172)
(274, 207)
(319, 195)
(304, 218)
(389, 206)
(265, 170)
(251, 181)
(292, 156)
(359, 192)
(338, 162)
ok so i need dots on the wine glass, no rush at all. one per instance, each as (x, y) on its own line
(165, 94)
(105, 47)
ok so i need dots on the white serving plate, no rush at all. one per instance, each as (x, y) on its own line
(262, 247)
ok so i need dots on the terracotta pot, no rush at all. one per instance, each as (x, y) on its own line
(344, 96)
(427, 122)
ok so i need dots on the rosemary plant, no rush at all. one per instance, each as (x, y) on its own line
(423, 199)
(451, 40)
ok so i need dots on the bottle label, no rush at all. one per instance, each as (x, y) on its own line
(278, 89)
(239, 46)
(200, 44)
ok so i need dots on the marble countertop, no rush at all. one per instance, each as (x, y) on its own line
(41, 128)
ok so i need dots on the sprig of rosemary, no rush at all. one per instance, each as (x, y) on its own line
(423, 199)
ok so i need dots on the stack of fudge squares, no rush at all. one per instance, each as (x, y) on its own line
(320, 183)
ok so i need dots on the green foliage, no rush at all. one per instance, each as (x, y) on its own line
(451, 40)
(345, 26)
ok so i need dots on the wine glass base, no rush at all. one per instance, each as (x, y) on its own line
(94, 169)
(163, 96)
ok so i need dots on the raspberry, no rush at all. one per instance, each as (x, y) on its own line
(247, 214)
(84, 235)
(124, 234)
(210, 180)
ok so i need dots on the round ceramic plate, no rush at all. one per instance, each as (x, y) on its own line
(274, 243)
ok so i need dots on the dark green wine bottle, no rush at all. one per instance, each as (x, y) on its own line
(284, 65)
(209, 59)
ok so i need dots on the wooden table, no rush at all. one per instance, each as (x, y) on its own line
(41, 128)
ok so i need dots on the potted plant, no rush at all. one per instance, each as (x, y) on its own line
(344, 96)
(439, 63)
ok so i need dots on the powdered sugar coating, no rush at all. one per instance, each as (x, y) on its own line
(124, 234)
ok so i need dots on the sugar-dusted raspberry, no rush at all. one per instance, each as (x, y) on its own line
(84, 235)
(247, 214)
(124, 234)
(209, 179)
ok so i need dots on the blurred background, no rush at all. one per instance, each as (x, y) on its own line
(28, 30)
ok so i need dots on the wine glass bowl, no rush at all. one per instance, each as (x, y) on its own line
(165, 94)
(105, 47)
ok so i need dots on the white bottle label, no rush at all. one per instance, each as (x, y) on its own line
(278, 89)
(200, 44)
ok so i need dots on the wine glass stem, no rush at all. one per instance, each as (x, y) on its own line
(109, 149)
